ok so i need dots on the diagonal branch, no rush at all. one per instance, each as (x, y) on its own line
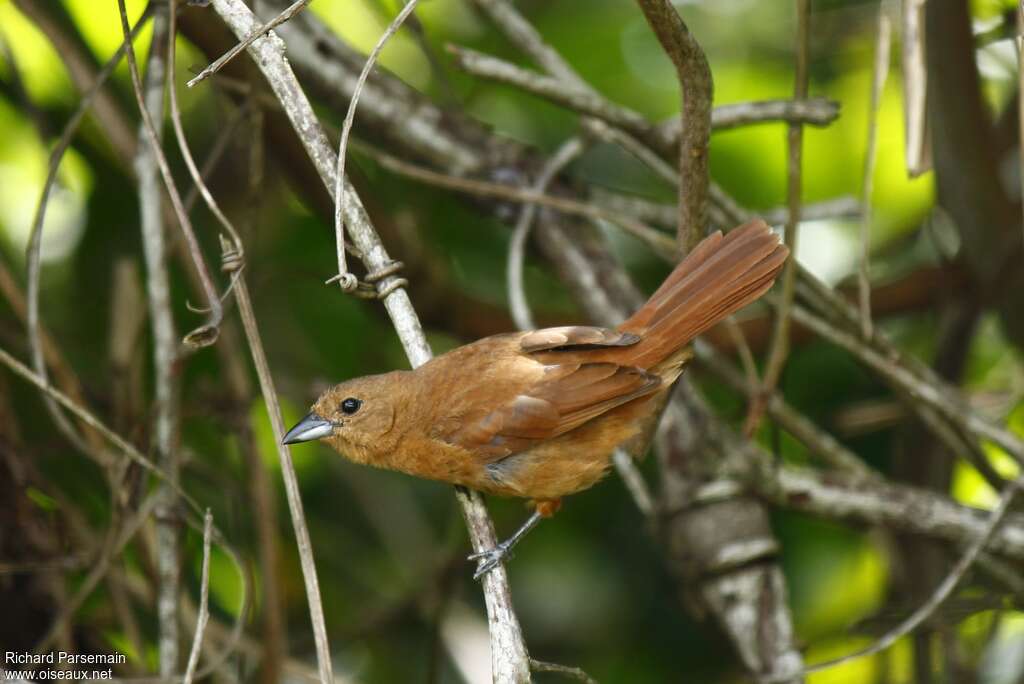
(205, 334)
(665, 138)
(90, 96)
(508, 651)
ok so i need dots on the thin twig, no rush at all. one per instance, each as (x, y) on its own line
(92, 421)
(1020, 91)
(841, 207)
(63, 374)
(204, 602)
(663, 245)
(264, 498)
(216, 153)
(644, 154)
(739, 342)
(186, 153)
(779, 348)
(116, 540)
(570, 672)
(818, 441)
(524, 36)
(346, 281)
(623, 462)
(663, 137)
(558, 90)
(17, 85)
(878, 76)
(518, 304)
(897, 369)
(911, 378)
(914, 74)
(664, 215)
(291, 483)
(508, 650)
(695, 86)
(133, 454)
(231, 639)
(812, 111)
(73, 50)
(34, 248)
(234, 637)
(520, 307)
(165, 348)
(221, 61)
(942, 591)
(634, 481)
(205, 334)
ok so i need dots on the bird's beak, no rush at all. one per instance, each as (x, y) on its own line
(309, 428)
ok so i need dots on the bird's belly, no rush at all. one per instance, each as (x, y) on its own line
(550, 469)
(567, 464)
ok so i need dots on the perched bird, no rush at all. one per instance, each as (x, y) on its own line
(538, 414)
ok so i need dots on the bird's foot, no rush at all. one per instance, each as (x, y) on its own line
(488, 560)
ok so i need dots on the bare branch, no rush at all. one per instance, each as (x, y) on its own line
(81, 67)
(663, 215)
(779, 350)
(116, 540)
(928, 390)
(1020, 91)
(843, 497)
(508, 652)
(134, 455)
(88, 418)
(695, 119)
(34, 247)
(942, 591)
(263, 30)
(346, 280)
(291, 483)
(186, 152)
(662, 245)
(634, 481)
(817, 440)
(915, 85)
(569, 150)
(570, 672)
(881, 68)
(205, 334)
(812, 111)
(204, 603)
(664, 137)
(165, 347)
(557, 90)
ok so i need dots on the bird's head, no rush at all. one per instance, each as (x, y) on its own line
(354, 417)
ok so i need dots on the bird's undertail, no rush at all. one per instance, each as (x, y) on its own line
(721, 275)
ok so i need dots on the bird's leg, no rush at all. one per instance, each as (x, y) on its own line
(488, 560)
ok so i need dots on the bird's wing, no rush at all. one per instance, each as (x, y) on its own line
(570, 337)
(569, 390)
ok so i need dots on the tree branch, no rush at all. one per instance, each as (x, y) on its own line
(696, 89)
(165, 349)
(510, 662)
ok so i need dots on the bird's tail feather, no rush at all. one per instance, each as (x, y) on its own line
(721, 275)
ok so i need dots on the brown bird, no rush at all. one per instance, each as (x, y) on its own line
(538, 414)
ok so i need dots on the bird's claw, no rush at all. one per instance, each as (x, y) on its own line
(488, 560)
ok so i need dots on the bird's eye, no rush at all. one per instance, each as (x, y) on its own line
(350, 405)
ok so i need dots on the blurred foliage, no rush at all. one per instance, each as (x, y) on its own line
(590, 586)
